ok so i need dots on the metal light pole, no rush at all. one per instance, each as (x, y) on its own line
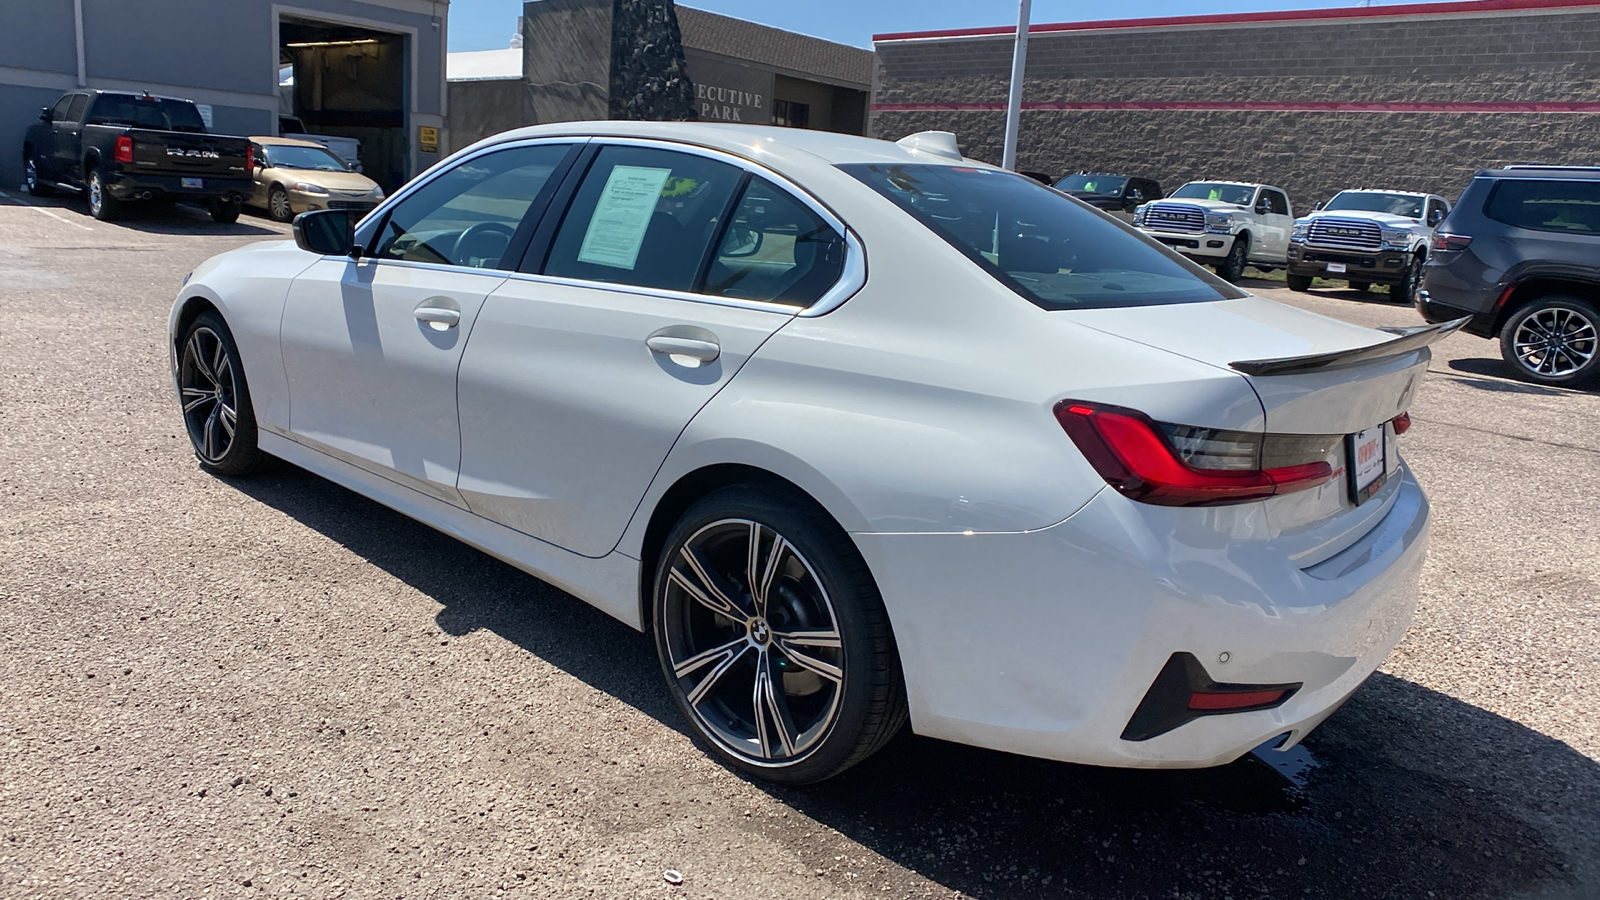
(1019, 62)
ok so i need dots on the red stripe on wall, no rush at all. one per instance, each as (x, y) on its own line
(1257, 106)
(1466, 7)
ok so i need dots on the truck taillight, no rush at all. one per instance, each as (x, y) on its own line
(124, 151)
(1181, 465)
(250, 158)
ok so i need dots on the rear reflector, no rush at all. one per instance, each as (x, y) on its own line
(1233, 701)
(1183, 691)
(1180, 465)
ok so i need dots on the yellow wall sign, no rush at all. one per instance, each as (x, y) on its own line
(428, 139)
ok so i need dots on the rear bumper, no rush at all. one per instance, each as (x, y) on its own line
(144, 186)
(1045, 643)
(1374, 267)
(1204, 245)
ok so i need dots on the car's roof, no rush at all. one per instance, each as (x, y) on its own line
(1571, 173)
(1369, 190)
(763, 143)
(267, 139)
(1225, 181)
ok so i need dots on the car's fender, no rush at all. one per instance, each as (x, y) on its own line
(247, 287)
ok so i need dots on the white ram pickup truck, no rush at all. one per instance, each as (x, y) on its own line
(1367, 237)
(1226, 224)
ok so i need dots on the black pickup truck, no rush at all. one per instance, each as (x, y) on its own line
(117, 147)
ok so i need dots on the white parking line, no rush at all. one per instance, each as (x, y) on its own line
(47, 212)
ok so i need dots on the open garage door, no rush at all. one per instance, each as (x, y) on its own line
(350, 82)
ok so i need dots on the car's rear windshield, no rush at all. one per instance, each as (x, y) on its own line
(1048, 247)
(1546, 205)
(146, 112)
(1376, 201)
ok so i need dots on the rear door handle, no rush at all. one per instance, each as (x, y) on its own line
(438, 318)
(704, 351)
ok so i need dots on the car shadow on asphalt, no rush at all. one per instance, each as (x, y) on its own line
(1496, 376)
(1404, 793)
(158, 218)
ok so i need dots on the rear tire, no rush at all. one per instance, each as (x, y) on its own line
(215, 399)
(1231, 268)
(223, 211)
(1554, 341)
(102, 205)
(797, 624)
(1299, 283)
(30, 176)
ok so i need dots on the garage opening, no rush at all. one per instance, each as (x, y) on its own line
(346, 83)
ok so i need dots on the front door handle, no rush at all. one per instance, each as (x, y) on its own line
(438, 318)
(704, 351)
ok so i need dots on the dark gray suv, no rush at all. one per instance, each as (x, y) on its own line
(1520, 254)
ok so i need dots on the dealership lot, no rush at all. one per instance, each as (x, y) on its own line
(274, 686)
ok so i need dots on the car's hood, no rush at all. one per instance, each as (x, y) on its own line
(1386, 220)
(349, 182)
(1213, 205)
(1332, 401)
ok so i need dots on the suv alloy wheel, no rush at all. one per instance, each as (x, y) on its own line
(1554, 340)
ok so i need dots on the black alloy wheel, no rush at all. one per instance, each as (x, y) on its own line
(216, 400)
(1554, 340)
(1231, 268)
(278, 204)
(30, 177)
(1405, 290)
(773, 637)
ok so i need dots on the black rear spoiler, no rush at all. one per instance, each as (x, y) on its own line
(1407, 340)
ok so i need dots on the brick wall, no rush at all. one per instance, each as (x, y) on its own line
(1413, 102)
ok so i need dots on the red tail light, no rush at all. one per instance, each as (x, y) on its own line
(1402, 423)
(124, 150)
(250, 158)
(1136, 456)
(1446, 241)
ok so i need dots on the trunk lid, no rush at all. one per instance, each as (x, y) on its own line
(1343, 397)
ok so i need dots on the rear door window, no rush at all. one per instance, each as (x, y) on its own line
(775, 248)
(1545, 205)
(644, 217)
(1038, 242)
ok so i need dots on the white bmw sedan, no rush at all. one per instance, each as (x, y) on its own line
(863, 432)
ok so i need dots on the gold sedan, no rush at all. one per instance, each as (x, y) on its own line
(293, 176)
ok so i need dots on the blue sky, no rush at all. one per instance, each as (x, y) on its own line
(488, 24)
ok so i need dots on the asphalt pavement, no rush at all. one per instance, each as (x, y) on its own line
(272, 686)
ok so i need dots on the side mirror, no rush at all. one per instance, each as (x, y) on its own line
(44, 114)
(1435, 217)
(326, 232)
(741, 241)
(1131, 202)
(1318, 205)
(1263, 207)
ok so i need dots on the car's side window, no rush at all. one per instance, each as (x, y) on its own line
(468, 215)
(643, 217)
(58, 112)
(75, 111)
(775, 248)
(1277, 203)
(1438, 205)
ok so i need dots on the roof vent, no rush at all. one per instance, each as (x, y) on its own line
(935, 143)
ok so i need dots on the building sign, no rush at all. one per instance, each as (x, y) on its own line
(427, 139)
(725, 92)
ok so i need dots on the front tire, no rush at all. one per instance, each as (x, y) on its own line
(30, 177)
(1299, 283)
(773, 638)
(215, 399)
(1554, 340)
(278, 204)
(1231, 268)
(102, 205)
(1405, 291)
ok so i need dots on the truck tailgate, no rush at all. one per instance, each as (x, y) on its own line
(186, 154)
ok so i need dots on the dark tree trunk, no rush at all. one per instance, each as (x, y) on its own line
(649, 78)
